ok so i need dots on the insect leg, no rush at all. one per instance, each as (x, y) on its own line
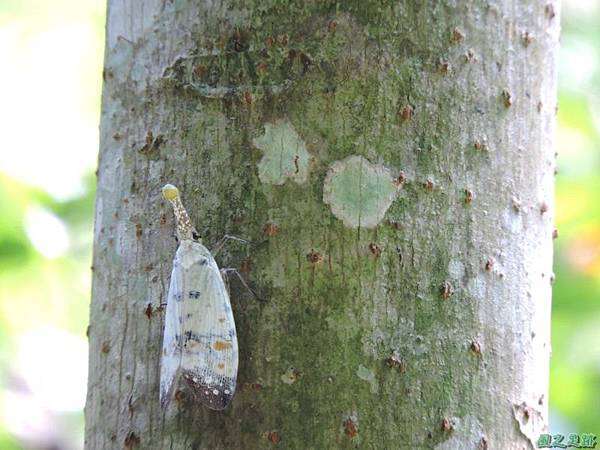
(228, 270)
(226, 238)
(229, 237)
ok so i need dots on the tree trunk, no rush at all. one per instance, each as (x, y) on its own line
(395, 159)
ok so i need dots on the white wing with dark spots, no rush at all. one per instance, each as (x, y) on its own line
(171, 351)
(200, 351)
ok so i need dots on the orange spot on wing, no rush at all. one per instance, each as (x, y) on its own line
(221, 345)
(220, 365)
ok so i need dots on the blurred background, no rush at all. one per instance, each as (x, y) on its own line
(51, 53)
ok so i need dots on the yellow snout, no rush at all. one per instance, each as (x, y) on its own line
(170, 192)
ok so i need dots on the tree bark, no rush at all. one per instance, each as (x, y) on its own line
(397, 160)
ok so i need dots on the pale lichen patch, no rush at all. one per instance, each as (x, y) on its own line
(456, 269)
(290, 376)
(284, 154)
(369, 376)
(359, 193)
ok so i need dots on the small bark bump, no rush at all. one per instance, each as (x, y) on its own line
(400, 179)
(274, 437)
(479, 145)
(448, 424)
(507, 98)
(429, 184)
(527, 38)
(314, 257)
(468, 196)
(270, 229)
(248, 98)
(457, 35)
(132, 440)
(483, 443)
(375, 250)
(407, 113)
(475, 346)
(446, 290)
(516, 204)
(350, 427)
(332, 26)
(444, 67)
(149, 310)
(396, 362)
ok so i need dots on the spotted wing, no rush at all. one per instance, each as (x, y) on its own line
(205, 338)
(171, 351)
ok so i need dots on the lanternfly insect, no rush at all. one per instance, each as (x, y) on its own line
(200, 350)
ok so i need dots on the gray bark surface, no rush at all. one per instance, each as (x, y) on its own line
(398, 160)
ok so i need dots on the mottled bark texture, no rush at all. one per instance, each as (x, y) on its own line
(397, 160)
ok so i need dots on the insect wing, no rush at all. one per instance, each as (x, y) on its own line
(206, 351)
(171, 351)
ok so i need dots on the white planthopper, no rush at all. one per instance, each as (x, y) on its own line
(200, 350)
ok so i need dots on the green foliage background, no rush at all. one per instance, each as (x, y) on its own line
(575, 364)
(53, 292)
